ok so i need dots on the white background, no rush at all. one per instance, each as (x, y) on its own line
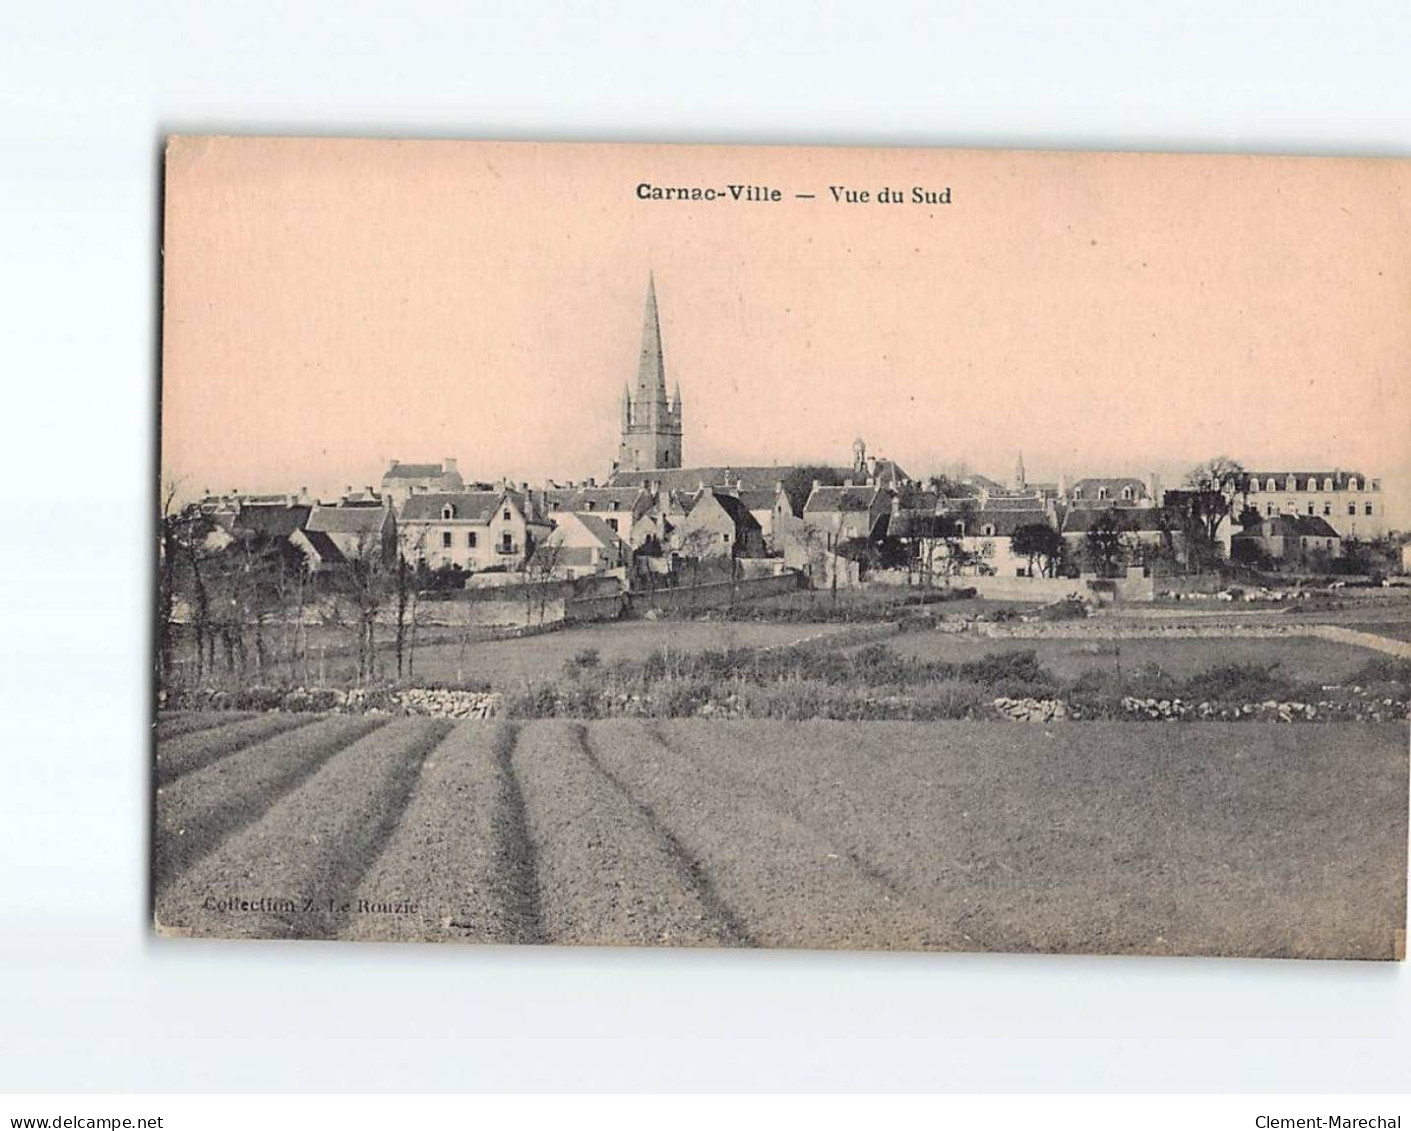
(89, 1002)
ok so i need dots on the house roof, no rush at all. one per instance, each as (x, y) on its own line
(1135, 520)
(276, 521)
(1289, 526)
(466, 506)
(1089, 488)
(634, 499)
(841, 499)
(1340, 480)
(1005, 521)
(348, 520)
(323, 546)
(416, 471)
(759, 498)
(693, 478)
(599, 529)
(738, 511)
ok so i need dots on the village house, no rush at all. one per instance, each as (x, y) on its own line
(357, 531)
(629, 512)
(718, 524)
(580, 545)
(1122, 492)
(1289, 538)
(1347, 501)
(1147, 532)
(321, 556)
(475, 530)
(403, 480)
(985, 534)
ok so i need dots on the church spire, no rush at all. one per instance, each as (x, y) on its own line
(651, 370)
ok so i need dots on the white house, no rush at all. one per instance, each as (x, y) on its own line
(476, 530)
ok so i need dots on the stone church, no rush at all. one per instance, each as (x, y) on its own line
(651, 426)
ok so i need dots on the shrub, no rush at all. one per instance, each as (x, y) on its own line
(1236, 682)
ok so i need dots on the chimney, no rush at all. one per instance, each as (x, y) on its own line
(1153, 488)
(348, 490)
(816, 484)
(592, 482)
(896, 504)
(368, 489)
(448, 466)
(847, 482)
(395, 462)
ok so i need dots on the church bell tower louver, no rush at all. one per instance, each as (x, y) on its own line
(651, 425)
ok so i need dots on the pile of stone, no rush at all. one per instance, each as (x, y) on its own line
(442, 703)
(1032, 710)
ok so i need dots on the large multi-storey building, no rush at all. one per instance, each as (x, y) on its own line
(1349, 501)
(651, 425)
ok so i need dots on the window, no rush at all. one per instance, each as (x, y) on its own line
(612, 525)
(1369, 510)
(1102, 492)
(507, 542)
(1310, 508)
(988, 530)
(470, 539)
(1254, 486)
(1327, 484)
(445, 539)
(1126, 492)
(1290, 484)
(508, 516)
(1269, 485)
(448, 512)
(1351, 508)
(1327, 508)
(1269, 510)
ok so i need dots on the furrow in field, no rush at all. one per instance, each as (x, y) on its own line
(187, 752)
(787, 883)
(608, 873)
(1192, 838)
(456, 868)
(295, 872)
(200, 809)
(173, 724)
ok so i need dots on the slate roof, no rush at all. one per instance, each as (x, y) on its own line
(1289, 526)
(323, 545)
(415, 471)
(759, 498)
(275, 521)
(600, 530)
(738, 511)
(1005, 522)
(1133, 520)
(469, 506)
(1086, 490)
(841, 499)
(1340, 480)
(692, 478)
(348, 520)
(633, 499)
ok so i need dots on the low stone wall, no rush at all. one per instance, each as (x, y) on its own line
(712, 595)
(1040, 590)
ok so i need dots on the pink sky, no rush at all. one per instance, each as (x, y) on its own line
(330, 305)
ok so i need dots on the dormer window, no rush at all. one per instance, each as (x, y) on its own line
(1126, 493)
(1269, 485)
(1357, 484)
(1327, 484)
(1102, 492)
(448, 512)
(988, 530)
(1254, 486)
(1290, 484)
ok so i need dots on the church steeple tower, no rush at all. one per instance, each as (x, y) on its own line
(651, 425)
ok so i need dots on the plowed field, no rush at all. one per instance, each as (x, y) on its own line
(1184, 839)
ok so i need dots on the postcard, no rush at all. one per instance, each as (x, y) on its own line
(826, 548)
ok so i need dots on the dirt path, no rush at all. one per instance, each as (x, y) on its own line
(608, 873)
(294, 872)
